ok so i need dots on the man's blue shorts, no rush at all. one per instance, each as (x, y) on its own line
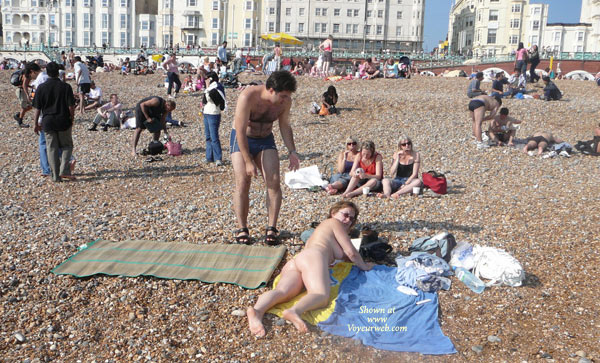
(255, 144)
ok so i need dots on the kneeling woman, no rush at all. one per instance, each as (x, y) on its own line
(366, 172)
(405, 167)
(310, 270)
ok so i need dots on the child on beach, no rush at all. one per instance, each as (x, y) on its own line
(502, 129)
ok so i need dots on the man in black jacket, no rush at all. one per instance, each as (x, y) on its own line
(54, 100)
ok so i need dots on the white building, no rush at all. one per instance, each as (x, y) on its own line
(495, 27)
(32, 22)
(590, 14)
(357, 25)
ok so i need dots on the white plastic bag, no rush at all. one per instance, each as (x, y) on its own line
(498, 266)
(304, 178)
(462, 256)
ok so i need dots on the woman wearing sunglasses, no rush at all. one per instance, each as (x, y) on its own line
(310, 270)
(366, 172)
(339, 181)
(405, 169)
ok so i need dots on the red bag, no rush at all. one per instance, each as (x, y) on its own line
(174, 148)
(436, 182)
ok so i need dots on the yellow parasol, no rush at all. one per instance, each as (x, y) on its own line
(282, 38)
(157, 57)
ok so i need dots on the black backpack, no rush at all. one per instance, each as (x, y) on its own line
(16, 79)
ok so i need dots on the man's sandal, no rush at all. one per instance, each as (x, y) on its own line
(272, 239)
(242, 238)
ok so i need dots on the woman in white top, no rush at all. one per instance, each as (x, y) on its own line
(170, 65)
(214, 103)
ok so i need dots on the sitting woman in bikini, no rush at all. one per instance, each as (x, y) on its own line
(405, 167)
(345, 161)
(310, 270)
(367, 171)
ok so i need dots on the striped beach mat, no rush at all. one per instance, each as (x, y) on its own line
(247, 266)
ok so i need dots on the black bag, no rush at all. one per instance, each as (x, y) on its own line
(155, 147)
(16, 79)
(375, 251)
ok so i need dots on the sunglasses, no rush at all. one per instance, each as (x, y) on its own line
(347, 215)
(406, 143)
(351, 143)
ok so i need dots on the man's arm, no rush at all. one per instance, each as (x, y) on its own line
(36, 117)
(288, 136)
(153, 102)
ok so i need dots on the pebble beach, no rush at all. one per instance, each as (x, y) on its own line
(544, 212)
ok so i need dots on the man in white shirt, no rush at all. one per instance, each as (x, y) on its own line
(83, 80)
(109, 112)
(237, 62)
(94, 99)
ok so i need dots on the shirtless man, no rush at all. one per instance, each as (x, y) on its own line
(252, 147)
(477, 107)
(310, 269)
(502, 128)
(540, 140)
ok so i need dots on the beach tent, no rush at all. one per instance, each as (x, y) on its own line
(490, 73)
(282, 38)
(428, 73)
(580, 75)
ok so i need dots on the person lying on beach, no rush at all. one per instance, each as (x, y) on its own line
(540, 141)
(366, 173)
(502, 129)
(310, 270)
(345, 161)
(405, 168)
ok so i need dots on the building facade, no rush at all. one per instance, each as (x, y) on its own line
(354, 25)
(590, 14)
(495, 27)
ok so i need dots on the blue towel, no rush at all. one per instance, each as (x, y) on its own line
(369, 308)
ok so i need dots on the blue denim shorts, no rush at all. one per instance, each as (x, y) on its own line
(255, 144)
(375, 188)
(343, 178)
(397, 183)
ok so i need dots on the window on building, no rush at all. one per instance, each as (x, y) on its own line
(556, 36)
(317, 27)
(369, 13)
(68, 2)
(300, 27)
(247, 40)
(349, 13)
(493, 15)
(214, 39)
(479, 12)
(167, 39)
(514, 39)
(398, 31)
(105, 37)
(379, 29)
(34, 3)
(516, 8)
(301, 11)
(580, 48)
(348, 28)
(288, 11)
(515, 23)
(249, 5)
(336, 28)
(215, 23)
(69, 20)
(271, 27)
(52, 19)
(8, 19)
(380, 13)
(336, 12)
(271, 11)
(287, 27)
(34, 19)
(123, 3)
(399, 15)
(192, 3)
(151, 28)
(355, 12)
(104, 21)
(367, 29)
(534, 40)
(215, 5)
(491, 37)
(86, 38)
(193, 21)
(52, 38)
(323, 27)
(123, 21)
(535, 25)
(144, 24)
(399, 1)
(537, 10)
(68, 38)
(324, 11)
(167, 4)
(248, 23)
(354, 28)
(86, 3)
(580, 36)
(144, 40)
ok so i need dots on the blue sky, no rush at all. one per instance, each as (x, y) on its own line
(436, 17)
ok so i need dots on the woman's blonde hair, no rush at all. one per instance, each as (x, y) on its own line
(341, 205)
(403, 137)
(350, 139)
(368, 145)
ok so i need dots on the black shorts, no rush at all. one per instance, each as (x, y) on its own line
(538, 139)
(139, 118)
(327, 56)
(84, 88)
(475, 104)
(503, 136)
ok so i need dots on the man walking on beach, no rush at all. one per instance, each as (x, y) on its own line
(83, 80)
(54, 99)
(222, 53)
(252, 147)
